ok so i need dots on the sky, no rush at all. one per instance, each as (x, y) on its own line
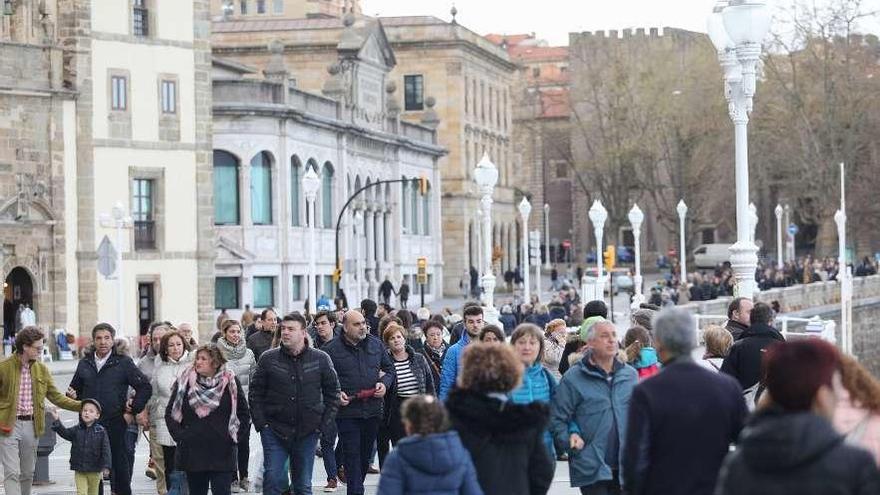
(552, 20)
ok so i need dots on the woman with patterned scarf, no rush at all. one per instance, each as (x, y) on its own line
(207, 417)
(241, 362)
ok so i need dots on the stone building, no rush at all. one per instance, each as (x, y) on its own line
(267, 9)
(268, 134)
(469, 78)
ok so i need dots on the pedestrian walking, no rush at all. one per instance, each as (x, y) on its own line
(789, 446)
(505, 439)
(671, 448)
(147, 364)
(89, 447)
(260, 339)
(247, 317)
(593, 311)
(640, 353)
(718, 341)
(738, 317)
(538, 384)
(555, 338)
(743, 362)
(106, 375)
(324, 330)
(492, 334)
(473, 323)
(857, 415)
(385, 290)
(294, 395)
(591, 405)
(431, 459)
(434, 348)
(25, 384)
(403, 293)
(207, 416)
(240, 360)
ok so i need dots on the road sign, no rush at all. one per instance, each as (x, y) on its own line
(793, 229)
(106, 258)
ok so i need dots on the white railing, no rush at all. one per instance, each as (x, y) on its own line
(815, 326)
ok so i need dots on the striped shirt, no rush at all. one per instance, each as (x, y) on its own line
(407, 385)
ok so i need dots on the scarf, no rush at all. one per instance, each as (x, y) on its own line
(204, 394)
(231, 352)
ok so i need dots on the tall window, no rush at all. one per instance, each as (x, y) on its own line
(327, 196)
(295, 191)
(277, 6)
(426, 211)
(264, 292)
(296, 291)
(225, 188)
(226, 292)
(169, 96)
(261, 189)
(413, 92)
(414, 189)
(142, 214)
(118, 93)
(140, 18)
(146, 306)
(261, 6)
(244, 6)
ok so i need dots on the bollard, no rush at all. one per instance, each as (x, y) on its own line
(45, 446)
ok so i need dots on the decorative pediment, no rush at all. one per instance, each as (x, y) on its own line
(227, 248)
(29, 205)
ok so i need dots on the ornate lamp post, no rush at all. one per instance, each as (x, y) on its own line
(844, 276)
(753, 220)
(737, 28)
(524, 209)
(636, 217)
(120, 221)
(486, 176)
(358, 228)
(547, 265)
(310, 185)
(598, 215)
(682, 210)
(778, 211)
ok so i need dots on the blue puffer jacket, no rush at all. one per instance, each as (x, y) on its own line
(587, 403)
(430, 465)
(449, 370)
(538, 385)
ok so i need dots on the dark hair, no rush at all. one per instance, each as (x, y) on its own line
(27, 336)
(474, 310)
(499, 334)
(406, 319)
(425, 415)
(163, 344)
(735, 305)
(637, 333)
(330, 315)
(228, 323)
(297, 317)
(489, 368)
(155, 325)
(105, 327)
(217, 359)
(526, 330)
(794, 371)
(595, 308)
(266, 312)
(761, 314)
(384, 306)
(369, 307)
(432, 324)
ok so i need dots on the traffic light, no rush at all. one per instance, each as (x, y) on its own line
(337, 274)
(423, 185)
(422, 276)
(610, 257)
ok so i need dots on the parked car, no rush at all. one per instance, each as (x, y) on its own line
(622, 281)
(711, 255)
(625, 254)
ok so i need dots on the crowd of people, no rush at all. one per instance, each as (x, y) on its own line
(455, 405)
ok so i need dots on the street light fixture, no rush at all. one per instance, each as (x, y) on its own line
(486, 176)
(547, 265)
(524, 209)
(682, 210)
(737, 29)
(598, 215)
(778, 211)
(310, 185)
(636, 217)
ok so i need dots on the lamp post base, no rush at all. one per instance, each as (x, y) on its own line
(744, 261)
(490, 314)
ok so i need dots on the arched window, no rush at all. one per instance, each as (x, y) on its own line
(327, 196)
(296, 199)
(426, 211)
(414, 191)
(261, 189)
(225, 188)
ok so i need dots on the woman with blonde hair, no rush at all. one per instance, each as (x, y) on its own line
(857, 415)
(555, 338)
(718, 341)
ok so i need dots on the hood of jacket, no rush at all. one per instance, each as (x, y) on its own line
(647, 357)
(435, 454)
(776, 441)
(494, 416)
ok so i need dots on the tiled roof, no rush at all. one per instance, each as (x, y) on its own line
(533, 53)
(256, 25)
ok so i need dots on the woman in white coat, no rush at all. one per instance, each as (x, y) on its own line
(241, 361)
(173, 358)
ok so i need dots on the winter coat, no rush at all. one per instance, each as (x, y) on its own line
(449, 370)
(204, 444)
(508, 323)
(552, 356)
(538, 385)
(736, 329)
(358, 368)
(646, 364)
(165, 374)
(42, 386)
(239, 360)
(147, 363)
(294, 395)
(796, 453)
(505, 441)
(89, 446)
(435, 464)
(110, 385)
(743, 362)
(424, 379)
(860, 426)
(260, 342)
(589, 404)
(661, 430)
(711, 363)
(435, 361)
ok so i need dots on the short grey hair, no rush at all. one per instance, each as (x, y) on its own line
(674, 330)
(594, 328)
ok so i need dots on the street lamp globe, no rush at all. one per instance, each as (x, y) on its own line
(682, 209)
(311, 183)
(715, 28)
(486, 174)
(746, 21)
(598, 214)
(525, 208)
(636, 217)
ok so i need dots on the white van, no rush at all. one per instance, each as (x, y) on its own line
(711, 255)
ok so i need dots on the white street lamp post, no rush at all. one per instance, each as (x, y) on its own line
(537, 235)
(479, 249)
(120, 221)
(682, 257)
(636, 217)
(598, 215)
(524, 209)
(358, 228)
(844, 276)
(753, 221)
(486, 176)
(310, 184)
(778, 211)
(547, 265)
(737, 29)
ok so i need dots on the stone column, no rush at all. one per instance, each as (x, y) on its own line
(370, 252)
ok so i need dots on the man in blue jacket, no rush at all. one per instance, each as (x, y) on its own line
(365, 373)
(589, 411)
(473, 323)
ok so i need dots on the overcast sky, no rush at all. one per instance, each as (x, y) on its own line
(554, 19)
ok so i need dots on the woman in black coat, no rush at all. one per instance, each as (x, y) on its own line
(207, 417)
(504, 439)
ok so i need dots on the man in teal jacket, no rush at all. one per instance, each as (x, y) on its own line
(589, 411)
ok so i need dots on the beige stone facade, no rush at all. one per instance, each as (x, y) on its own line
(293, 9)
(469, 77)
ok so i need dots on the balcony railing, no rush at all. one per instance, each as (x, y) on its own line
(145, 235)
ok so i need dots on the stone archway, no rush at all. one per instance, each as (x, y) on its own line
(18, 290)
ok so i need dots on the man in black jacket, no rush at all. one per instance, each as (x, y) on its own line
(738, 314)
(293, 395)
(365, 373)
(743, 362)
(105, 375)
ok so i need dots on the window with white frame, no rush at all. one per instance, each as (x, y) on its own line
(169, 96)
(119, 93)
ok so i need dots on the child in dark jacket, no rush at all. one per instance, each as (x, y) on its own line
(90, 447)
(431, 459)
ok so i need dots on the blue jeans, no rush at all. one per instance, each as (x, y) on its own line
(358, 438)
(328, 450)
(276, 450)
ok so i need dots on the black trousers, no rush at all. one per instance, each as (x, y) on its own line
(390, 431)
(244, 455)
(220, 482)
(120, 456)
(168, 456)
